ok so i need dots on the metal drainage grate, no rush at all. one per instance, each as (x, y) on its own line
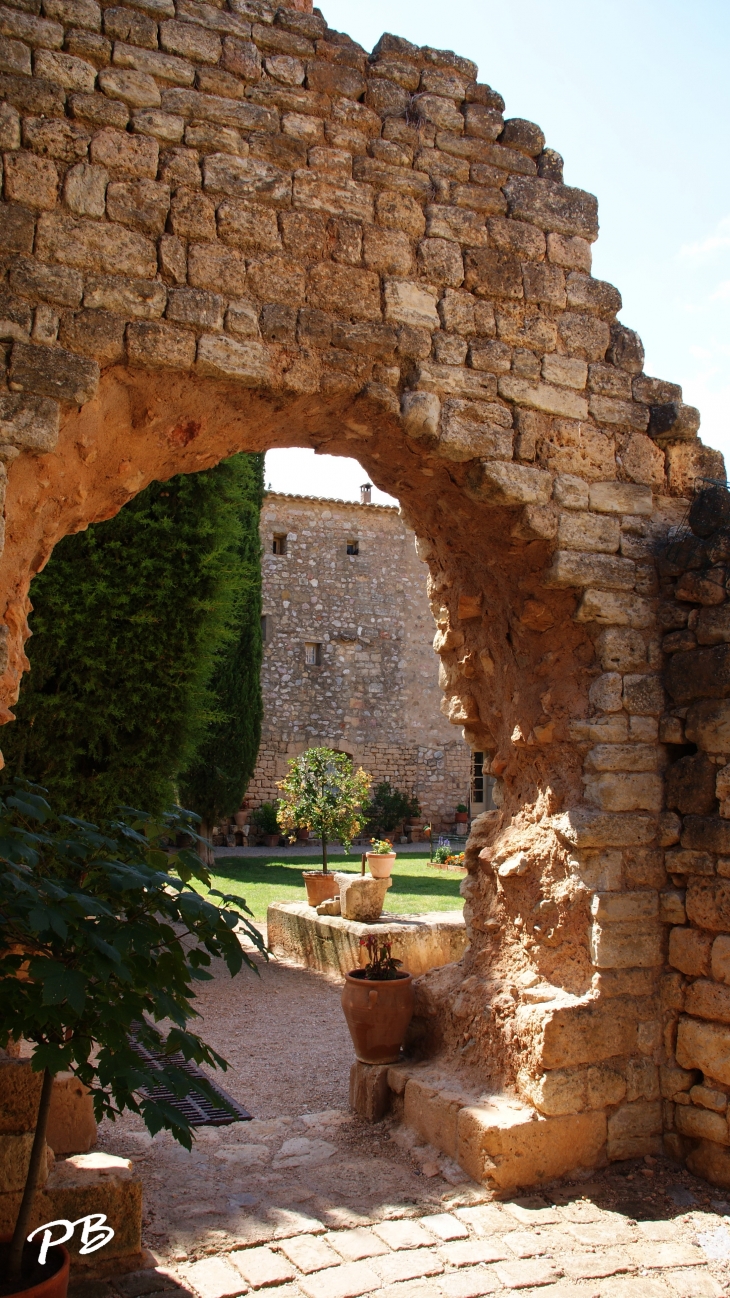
(195, 1107)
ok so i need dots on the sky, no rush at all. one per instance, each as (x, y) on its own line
(635, 94)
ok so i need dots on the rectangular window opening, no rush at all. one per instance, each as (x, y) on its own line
(477, 777)
(313, 654)
(279, 546)
(353, 547)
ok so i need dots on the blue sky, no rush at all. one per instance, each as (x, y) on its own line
(635, 94)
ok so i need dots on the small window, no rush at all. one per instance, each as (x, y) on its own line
(313, 654)
(279, 546)
(353, 547)
(264, 628)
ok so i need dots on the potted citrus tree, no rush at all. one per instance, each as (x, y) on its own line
(377, 1001)
(381, 858)
(103, 934)
(323, 794)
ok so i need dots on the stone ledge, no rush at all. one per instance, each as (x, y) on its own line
(82, 1184)
(332, 944)
(500, 1142)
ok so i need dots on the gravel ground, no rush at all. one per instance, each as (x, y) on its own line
(305, 1166)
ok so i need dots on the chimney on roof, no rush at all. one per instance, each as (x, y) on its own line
(366, 493)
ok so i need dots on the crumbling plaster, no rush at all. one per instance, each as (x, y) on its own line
(229, 228)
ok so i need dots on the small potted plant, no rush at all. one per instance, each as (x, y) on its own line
(462, 815)
(377, 1001)
(323, 794)
(381, 858)
(265, 821)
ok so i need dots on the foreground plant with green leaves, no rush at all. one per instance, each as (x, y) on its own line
(104, 935)
(322, 793)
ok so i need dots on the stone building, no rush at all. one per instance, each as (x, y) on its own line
(348, 657)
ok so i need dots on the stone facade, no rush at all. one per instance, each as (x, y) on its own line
(227, 227)
(374, 691)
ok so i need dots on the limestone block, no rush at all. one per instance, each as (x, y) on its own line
(673, 1079)
(553, 207)
(562, 1036)
(708, 903)
(721, 960)
(29, 422)
(433, 1114)
(509, 484)
(626, 945)
(683, 861)
(625, 791)
(369, 1090)
(20, 1093)
(71, 1121)
(14, 1159)
(705, 1046)
(82, 1184)
(671, 906)
(708, 1000)
(141, 298)
(701, 1124)
(635, 1129)
(544, 396)
(576, 568)
(590, 532)
(689, 950)
(708, 725)
(421, 412)
(561, 1091)
(505, 1146)
(713, 625)
(708, 1098)
(247, 362)
(54, 372)
(570, 492)
(362, 898)
(620, 498)
(585, 827)
(710, 1161)
(644, 696)
(621, 649)
(612, 907)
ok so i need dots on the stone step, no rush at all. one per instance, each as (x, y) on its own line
(500, 1142)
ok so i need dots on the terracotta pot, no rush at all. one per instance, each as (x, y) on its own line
(461, 817)
(320, 886)
(56, 1286)
(241, 818)
(378, 1014)
(380, 864)
(302, 835)
(272, 840)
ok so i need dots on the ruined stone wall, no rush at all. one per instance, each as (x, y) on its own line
(375, 693)
(227, 227)
(695, 901)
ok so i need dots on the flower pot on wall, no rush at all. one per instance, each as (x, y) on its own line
(54, 1285)
(241, 818)
(461, 817)
(377, 1014)
(320, 886)
(380, 864)
(302, 835)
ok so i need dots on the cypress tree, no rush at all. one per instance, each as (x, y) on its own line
(130, 620)
(217, 779)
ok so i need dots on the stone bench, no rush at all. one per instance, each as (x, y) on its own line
(332, 944)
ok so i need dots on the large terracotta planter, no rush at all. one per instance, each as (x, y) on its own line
(380, 864)
(56, 1286)
(378, 1014)
(320, 886)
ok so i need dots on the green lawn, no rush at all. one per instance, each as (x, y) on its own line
(417, 885)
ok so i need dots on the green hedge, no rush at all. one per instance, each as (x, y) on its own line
(134, 626)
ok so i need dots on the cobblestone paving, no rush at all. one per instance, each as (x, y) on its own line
(321, 1205)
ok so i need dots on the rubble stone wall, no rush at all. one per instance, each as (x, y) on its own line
(695, 900)
(375, 693)
(227, 227)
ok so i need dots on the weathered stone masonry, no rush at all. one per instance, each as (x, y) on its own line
(227, 227)
(374, 694)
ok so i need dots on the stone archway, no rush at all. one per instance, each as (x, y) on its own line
(230, 228)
